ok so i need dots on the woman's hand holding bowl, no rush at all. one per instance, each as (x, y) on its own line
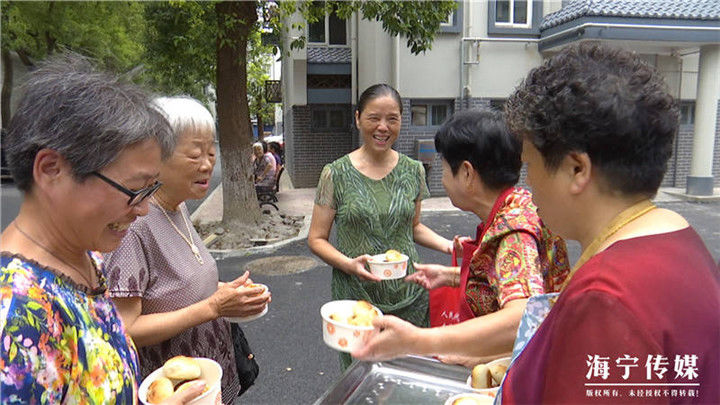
(358, 267)
(392, 337)
(235, 299)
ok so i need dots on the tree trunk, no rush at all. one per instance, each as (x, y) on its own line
(240, 204)
(6, 87)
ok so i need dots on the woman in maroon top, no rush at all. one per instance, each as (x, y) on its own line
(638, 320)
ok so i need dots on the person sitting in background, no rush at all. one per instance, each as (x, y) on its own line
(277, 153)
(263, 167)
(85, 150)
(513, 257)
(163, 280)
(598, 128)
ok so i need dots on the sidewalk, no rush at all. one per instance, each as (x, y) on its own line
(299, 202)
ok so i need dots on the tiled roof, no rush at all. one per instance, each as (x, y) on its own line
(323, 54)
(670, 9)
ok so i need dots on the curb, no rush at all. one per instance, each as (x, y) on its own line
(221, 254)
(694, 198)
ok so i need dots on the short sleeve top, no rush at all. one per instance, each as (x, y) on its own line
(155, 263)
(518, 257)
(260, 165)
(371, 217)
(61, 342)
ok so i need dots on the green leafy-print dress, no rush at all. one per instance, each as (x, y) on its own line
(372, 216)
(61, 342)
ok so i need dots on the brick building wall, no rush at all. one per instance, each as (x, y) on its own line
(310, 150)
(679, 164)
(307, 151)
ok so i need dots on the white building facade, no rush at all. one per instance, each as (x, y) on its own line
(483, 51)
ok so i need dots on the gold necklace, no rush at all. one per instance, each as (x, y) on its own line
(628, 215)
(187, 240)
(31, 239)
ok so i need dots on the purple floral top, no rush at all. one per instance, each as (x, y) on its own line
(61, 342)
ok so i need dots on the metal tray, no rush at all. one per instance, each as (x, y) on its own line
(408, 380)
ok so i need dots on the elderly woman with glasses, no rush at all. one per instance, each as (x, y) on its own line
(163, 279)
(85, 150)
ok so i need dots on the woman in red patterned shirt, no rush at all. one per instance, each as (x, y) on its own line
(512, 258)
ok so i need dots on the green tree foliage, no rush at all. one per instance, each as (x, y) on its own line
(180, 47)
(109, 32)
(260, 59)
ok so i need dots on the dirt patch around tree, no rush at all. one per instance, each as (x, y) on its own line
(273, 227)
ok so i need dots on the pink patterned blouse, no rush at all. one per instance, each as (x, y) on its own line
(517, 256)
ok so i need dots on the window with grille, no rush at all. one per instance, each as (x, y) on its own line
(515, 17)
(330, 117)
(430, 113)
(331, 30)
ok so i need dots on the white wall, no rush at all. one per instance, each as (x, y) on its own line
(294, 67)
(374, 55)
(436, 73)
(690, 66)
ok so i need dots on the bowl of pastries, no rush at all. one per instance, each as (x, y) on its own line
(242, 319)
(347, 322)
(486, 378)
(468, 398)
(389, 265)
(177, 374)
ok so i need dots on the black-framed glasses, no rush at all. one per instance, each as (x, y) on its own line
(136, 197)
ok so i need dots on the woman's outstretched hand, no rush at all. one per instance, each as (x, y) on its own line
(392, 337)
(458, 244)
(431, 276)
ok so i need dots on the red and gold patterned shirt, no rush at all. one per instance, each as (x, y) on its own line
(517, 256)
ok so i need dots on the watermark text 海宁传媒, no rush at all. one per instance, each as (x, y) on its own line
(627, 376)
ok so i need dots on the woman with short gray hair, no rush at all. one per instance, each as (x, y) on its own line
(85, 149)
(163, 280)
(263, 167)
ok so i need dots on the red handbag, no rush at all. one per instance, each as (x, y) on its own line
(447, 303)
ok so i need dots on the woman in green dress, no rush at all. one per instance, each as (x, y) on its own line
(373, 195)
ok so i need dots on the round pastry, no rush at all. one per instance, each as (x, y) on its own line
(253, 285)
(471, 401)
(481, 377)
(159, 390)
(393, 256)
(497, 371)
(182, 368)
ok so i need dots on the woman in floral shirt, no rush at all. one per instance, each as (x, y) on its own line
(512, 258)
(74, 130)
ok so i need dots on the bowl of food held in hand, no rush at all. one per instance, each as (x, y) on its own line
(486, 378)
(177, 374)
(347, 322)
(242, 319)
(389, 265)
(467, 398)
